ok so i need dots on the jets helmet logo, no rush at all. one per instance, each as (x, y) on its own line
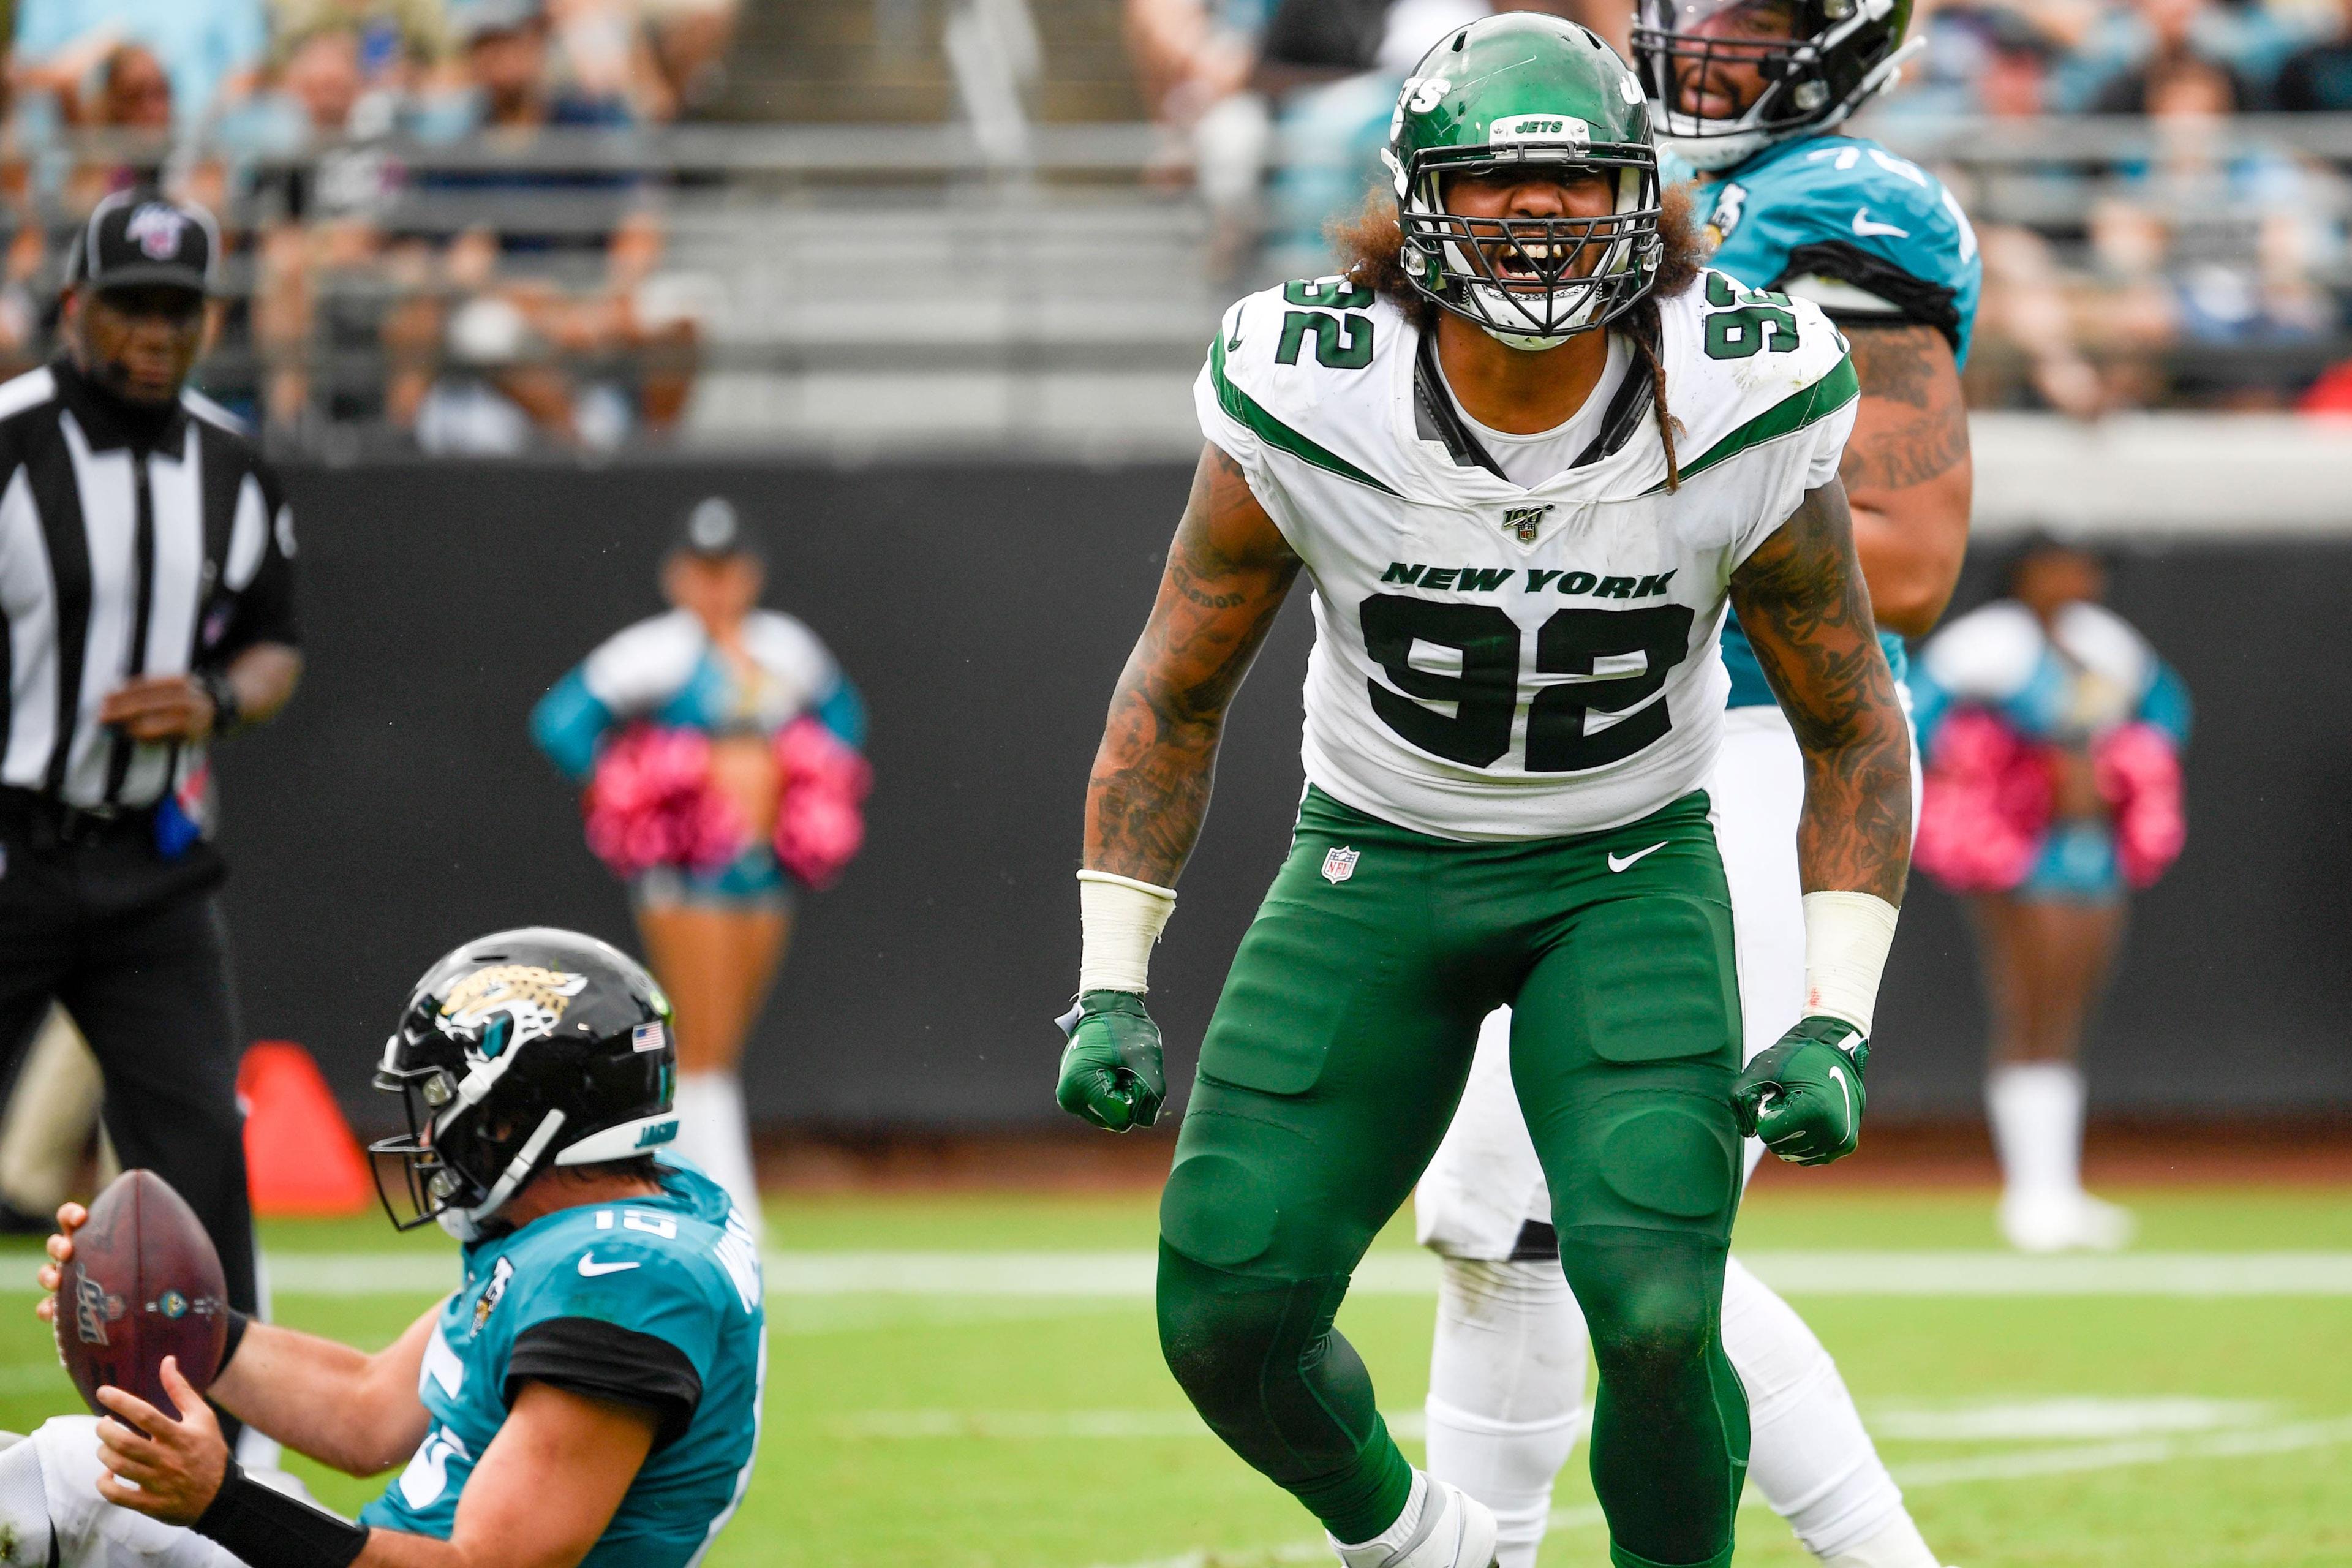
(529, 998)
(1524, 521)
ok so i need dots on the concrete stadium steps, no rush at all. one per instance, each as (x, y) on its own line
(881, 60)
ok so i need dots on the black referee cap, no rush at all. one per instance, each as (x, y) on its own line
(144, 237)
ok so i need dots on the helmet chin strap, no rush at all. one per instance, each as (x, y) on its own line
(466, 1224)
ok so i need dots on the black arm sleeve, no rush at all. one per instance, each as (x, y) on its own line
(605, 1360)
(267, 1529)
(1915, 299)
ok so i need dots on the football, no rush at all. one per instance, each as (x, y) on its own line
(144, 1283)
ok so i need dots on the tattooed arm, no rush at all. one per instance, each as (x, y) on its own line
(1805, 607)
(1908, 472)
(1229, 570)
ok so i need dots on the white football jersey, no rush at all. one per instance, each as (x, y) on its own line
(1498, 662)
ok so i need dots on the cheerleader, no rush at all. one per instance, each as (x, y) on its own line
(718, 745)
(2052, 734)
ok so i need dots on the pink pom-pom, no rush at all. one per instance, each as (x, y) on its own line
(1986, 805)
(821, 825)
(2138, 773)
(651, 803)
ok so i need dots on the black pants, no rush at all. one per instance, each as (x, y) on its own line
(134, 947)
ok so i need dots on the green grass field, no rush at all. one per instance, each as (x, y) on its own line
(944, 1392)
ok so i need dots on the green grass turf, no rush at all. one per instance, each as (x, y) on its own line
(915, 1432)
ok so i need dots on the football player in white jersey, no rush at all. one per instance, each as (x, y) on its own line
(1526, 453)
(1756, 94)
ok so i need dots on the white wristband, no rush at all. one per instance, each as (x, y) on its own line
(1119, 918)
(1846, 938)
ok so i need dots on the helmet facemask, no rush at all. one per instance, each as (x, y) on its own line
(461, 1159)
(1533, 282)
(1816, 68)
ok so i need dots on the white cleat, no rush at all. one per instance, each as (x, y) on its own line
(2072, 1222)
(1457, 1530)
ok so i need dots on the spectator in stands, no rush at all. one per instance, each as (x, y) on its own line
(2176, 35)
(2227, 247)
(211, 49)
(2318, 77)
(318, 202)
(1193, 62)
(397, 41)
(689, 40)
(128, 98)
(1993, 62)
(556, 321)
(604, 50)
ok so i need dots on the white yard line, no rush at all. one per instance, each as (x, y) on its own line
(1129, 1275)
(2023, 1465)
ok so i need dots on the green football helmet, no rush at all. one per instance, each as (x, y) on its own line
(1524, 89)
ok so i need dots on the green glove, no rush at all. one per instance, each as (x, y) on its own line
(1804, 1097)
(1111, 1074)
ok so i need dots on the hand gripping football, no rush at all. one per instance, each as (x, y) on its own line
(144, 1283)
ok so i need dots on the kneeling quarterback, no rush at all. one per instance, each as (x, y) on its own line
(589, 1395)
(1526, 451)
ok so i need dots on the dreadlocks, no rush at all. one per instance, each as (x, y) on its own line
(1371, 246)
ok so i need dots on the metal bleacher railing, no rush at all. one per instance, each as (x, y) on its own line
(902, 286)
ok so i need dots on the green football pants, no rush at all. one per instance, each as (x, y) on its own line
(1329, 1072)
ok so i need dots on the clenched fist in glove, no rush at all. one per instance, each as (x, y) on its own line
(1111, 1072)
(1803, 1096)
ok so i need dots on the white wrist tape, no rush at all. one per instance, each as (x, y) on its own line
(1846, 938)
(1119, 918)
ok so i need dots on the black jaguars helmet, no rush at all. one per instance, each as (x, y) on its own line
(518, 1052)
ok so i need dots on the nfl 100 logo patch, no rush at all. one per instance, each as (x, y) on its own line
(1525, 522)
(1339, 864)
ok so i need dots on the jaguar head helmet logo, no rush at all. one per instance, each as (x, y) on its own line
(506, 1004)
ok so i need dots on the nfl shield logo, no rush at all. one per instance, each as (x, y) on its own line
(1339, 865)
(1524, 521)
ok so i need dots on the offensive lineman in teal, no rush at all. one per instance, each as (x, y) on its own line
(590, 1396)
(1748, 94)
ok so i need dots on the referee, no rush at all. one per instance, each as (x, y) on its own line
(146, 608)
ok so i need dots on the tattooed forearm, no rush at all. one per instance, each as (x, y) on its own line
(1919, 426)
(1803, 603)
(1228, 572)
(1906, 472)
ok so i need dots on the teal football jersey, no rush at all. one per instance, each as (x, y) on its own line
(1845, 210)
(656, 1302)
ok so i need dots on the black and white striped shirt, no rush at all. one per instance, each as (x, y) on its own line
(128, 547)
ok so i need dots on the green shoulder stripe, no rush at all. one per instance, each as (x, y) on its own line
(1791, 414)
(1275, 433)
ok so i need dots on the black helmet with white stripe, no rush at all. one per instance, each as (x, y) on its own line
(518, 1053)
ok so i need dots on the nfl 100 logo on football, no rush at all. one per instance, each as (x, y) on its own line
(1339, 864)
